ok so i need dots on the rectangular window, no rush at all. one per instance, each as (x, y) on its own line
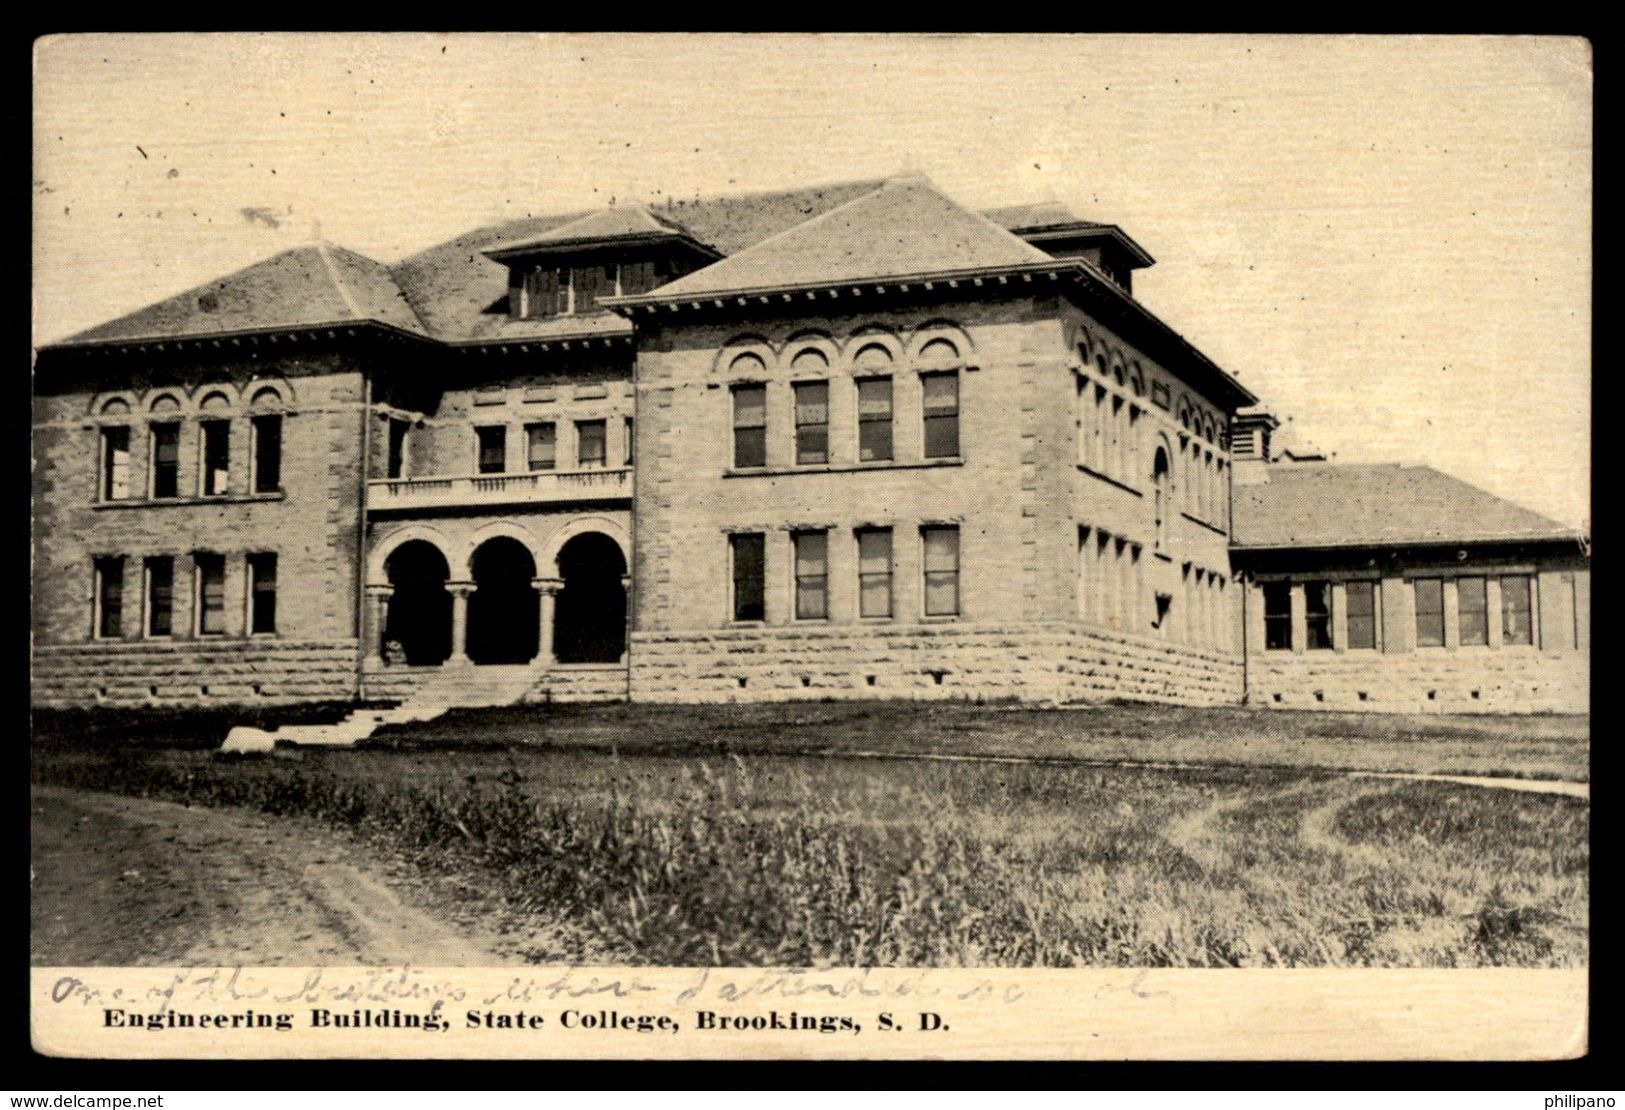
(109, 619)
(1429, 612)
(1473, 611)
(211, 594)
(262, 592)
(812, 422)
(216, 437)
(750, 425)
(874, 419)
(1317, 614)
(590, 443)
(941, 407)
(115, 464)
(1516, 625)
(541, 446)
(874, 572)
(747, 550)
(160, 595)
(397, 448)
(812, 575)
(1277, 616)
(1361, 600)
(587, 284)
(166, 460)
(267, 432)
(631, 439)
(544, 293)
(941, 571)
(493, 448)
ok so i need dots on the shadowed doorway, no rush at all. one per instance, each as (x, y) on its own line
(590, 621)
(502, 611)
(420, 608)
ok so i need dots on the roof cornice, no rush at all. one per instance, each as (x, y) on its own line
(198, 340)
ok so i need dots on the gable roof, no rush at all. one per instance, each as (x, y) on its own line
(905, 227)
(314, 284)
(1354, 505)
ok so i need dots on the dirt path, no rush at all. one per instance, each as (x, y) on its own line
(130, 881)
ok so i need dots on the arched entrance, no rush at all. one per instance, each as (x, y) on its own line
(589, 625)
(420, 608)
(502, 610)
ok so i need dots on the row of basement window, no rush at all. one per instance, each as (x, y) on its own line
(541, 447)
(939, 413)
(875, 573)
(118, 482)
(1363, 624)
(155, 578)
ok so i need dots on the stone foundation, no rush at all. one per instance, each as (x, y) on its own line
(1506, 680)
(1051, 663)
(193, 672)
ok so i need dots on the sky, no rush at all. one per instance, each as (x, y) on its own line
(1387, 238)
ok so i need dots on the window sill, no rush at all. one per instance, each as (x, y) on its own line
(161, 502)
(838, 468)
(1109, 480)
(944, 618)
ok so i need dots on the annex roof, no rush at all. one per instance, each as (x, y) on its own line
(905, 227)
(314, 284)
(1313, 505)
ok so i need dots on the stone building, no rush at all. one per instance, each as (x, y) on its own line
(848, 441)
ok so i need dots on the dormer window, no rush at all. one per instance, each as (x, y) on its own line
(553, 290)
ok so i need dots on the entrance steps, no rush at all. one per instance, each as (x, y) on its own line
(434, 693)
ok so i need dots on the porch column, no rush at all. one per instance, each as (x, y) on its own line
(376, 621)
(459, 592)
(626, 588)
(547, 592)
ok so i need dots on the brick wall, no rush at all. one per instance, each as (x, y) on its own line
(312, 525)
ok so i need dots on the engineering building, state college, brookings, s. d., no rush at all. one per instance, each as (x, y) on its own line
(850, 441)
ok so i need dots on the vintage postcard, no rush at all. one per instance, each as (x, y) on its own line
(811, 546)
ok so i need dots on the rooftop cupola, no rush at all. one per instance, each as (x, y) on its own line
(1054, 229)
(1252, 431)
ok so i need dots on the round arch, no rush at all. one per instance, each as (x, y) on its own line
(508, 528)
(735, 351)
(548, 562)
(932, 330)
(377, 572)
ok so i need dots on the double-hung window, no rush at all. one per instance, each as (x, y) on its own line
(874, 572)
(115, 483)
(940, 403)
(812, 575)
(1277, 616)
(215, 437)
(211, 594)
(160, 595)
(541, 447)
(492, 442)
(812, 422)
(747, 551)
(267, 436)
(941, 543)
(108, 621)
(1429, 611)
(1516, 625)
(166, 460)
(591, 444)
(1473, 612)
(1360, 598)
(750, 425)
(262, 592)
(1317, 615)
(874, 419)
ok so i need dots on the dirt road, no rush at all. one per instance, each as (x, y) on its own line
(128, 882)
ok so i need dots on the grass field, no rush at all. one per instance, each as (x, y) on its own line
(642, 844)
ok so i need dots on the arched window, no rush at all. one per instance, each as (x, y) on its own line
(166, 402)
(939, 354)
(809, 361)
(266, 397)
(872, 358)
(116, 406)
(1159, 485)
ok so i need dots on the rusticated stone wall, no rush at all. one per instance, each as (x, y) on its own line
(193, 672)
